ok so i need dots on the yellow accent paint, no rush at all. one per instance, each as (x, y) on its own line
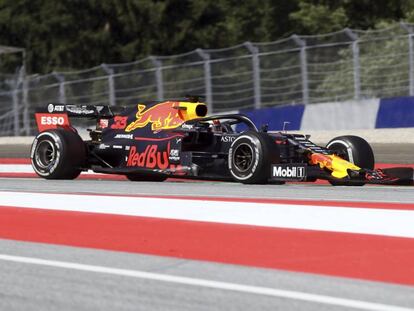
(165, 115)
(337, 165)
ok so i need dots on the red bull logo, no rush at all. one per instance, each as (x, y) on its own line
(321, 159)
(151, 157)
(337, 165)
(161, 117)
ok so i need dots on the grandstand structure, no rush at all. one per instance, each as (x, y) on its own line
(335, 67)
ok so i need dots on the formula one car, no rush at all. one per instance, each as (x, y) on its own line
(154, 141)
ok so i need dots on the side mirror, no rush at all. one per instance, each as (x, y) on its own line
(264, 128)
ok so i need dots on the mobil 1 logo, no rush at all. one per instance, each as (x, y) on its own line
(288, 171)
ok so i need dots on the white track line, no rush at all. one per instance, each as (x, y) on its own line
(388, 222)
(26, 168)
(16, 168)
(266, 291)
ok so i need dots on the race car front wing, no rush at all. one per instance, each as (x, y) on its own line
(306, 172)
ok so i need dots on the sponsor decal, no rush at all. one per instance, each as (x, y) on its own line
(34, 145)
(51, 121)
(103, 146)
(44, 120)
(59, 108)
(337, 165)
(289, 171)
(103, 123)
(151, 157)
(55, 108)
(56, 160)
(79, 109)
(119, 123)
(321, 159)
(187, 126)
(228, 139)
(124, 136)
(161, 117)
(174, 155)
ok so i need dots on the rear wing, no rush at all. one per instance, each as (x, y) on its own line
(57, 115)
(81, 111)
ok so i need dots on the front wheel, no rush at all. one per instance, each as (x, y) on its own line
(250, 158)
(354, 149)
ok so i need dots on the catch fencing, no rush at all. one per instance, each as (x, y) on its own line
(348, 64)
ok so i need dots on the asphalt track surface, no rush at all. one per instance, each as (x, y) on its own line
(309, 191)
(41, 277)
(28, 286)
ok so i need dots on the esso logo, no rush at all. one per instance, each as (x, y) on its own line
(44, 120)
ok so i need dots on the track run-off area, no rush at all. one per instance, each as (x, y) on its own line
(196, 245)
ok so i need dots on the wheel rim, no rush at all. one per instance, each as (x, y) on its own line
(243, 157)
(45, 154)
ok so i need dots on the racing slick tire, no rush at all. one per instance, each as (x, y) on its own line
(58, 154)
(141, 177)
(355, 150)
(250, 158)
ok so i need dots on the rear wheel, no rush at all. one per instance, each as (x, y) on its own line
(355, 150)
(250, 158)
(58, 154)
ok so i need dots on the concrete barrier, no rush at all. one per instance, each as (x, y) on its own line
(395, 112)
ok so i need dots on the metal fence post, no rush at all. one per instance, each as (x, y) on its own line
(357, 67)
(61, 80)
(408, 29)
(25, 94)
(111, 85)
(15, 99)
(158, 77)
(303, 68)
(207, 78)
(256, 73)
(411, 64)
(25, 100)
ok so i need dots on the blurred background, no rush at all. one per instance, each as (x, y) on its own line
(296, 60)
